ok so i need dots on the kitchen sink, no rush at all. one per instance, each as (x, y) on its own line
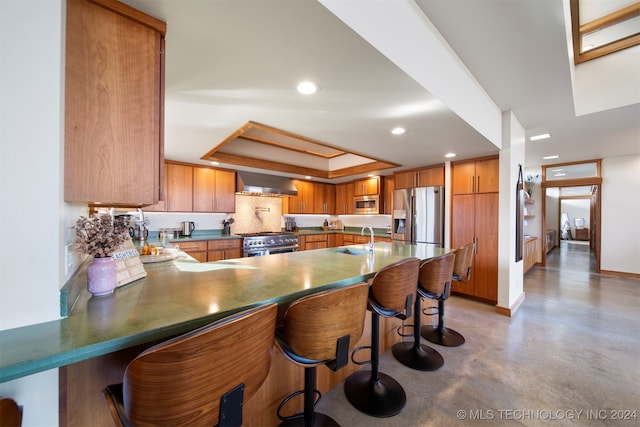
(352, 251)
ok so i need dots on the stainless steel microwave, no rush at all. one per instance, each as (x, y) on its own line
(367, 205)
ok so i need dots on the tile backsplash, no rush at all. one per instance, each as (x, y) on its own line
(255, 213)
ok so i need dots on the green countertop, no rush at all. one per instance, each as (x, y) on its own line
(181, 295)
(216, 234)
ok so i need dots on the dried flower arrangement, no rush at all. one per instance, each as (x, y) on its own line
(229, 221)
(100, 235)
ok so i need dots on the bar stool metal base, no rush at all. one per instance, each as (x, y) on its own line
(419, 357)
(442, 336)
(319, 420)
(382, 398)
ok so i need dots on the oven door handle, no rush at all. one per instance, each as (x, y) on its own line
(281, 249)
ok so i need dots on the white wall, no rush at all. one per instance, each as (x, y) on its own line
(620, 237)
(32, 214)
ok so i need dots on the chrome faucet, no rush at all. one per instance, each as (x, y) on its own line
(370, 231)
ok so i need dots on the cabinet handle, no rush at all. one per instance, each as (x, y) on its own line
(475, 244)
(478, 190)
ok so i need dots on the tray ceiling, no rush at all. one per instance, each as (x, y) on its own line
(265, 147)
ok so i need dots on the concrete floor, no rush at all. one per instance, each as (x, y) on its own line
(569, 356)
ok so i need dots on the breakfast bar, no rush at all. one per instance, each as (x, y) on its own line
(95, 342)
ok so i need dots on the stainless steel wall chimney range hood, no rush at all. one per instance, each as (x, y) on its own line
(259, 184)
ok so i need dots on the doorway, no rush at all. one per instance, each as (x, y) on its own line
(571, 211)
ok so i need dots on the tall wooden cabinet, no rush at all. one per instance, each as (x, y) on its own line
(114, 100)
(474, 218)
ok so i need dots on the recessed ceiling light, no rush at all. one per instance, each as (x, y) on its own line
(398, 131)
(558, 170)
(539, 137)
(215, 163)
(555, 156)
(559, 174)
(449, 155)
(307, 87)
(307, 177)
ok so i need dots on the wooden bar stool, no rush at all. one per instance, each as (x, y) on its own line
(437, 286)
(391, 294)
(10, 413)
(201, 378)
(320, 329)
(461, 273)
(413, 354)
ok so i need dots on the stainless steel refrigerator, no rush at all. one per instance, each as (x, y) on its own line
(418, 215)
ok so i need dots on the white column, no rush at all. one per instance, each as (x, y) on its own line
(510, 272)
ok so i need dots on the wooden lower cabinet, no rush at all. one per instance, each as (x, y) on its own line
(356, 239)
(530, 253)
(82, 404)
(309, 242)
(474, 218)
(197, 249)
(224, 249)
(213, 250)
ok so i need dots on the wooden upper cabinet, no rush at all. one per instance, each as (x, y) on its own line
(225, 191)
(179, 196)
(325, 198)
(429, 177)
(204, 189)
(213, 190)
(476, 176)
(114, 99)
(304, 202)
(344, 198)
(424, 177)
(487, 173)
(367, 187)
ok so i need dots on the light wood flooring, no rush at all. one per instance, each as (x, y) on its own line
(569, 357)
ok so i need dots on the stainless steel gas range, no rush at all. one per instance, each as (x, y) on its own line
(265, 243)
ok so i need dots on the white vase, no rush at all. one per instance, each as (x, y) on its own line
(101, 276)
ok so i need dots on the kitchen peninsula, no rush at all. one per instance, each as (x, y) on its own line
(176, 297)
